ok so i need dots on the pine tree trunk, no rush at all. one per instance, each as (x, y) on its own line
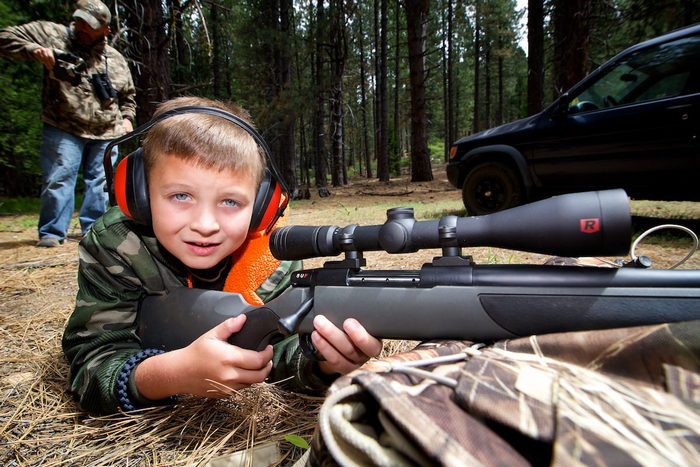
(416, 22)
(476, 123)
(500, 105)
(218, 60)
(535, 56)
(397, 82)
(571, 41)
(149, 49)
(451, 84)
(382, 138)
(285, 147)
(363, 101)
(338, 57)
(318, 139)
(445, 100)
(180, 59)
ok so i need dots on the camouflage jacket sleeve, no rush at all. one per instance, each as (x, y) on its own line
(116, 269)
(21, 41)
(118, 266)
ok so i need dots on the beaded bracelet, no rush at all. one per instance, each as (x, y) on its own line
(125, 374)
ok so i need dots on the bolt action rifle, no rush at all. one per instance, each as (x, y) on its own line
(450, 297)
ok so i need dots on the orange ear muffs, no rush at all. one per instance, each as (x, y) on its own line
(131, 188)
(270, 203)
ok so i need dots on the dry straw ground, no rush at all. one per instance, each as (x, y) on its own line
(41, 425)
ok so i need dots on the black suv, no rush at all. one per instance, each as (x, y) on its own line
(633, 123)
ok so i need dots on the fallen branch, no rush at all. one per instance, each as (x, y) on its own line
(44, 262)
(388, 193)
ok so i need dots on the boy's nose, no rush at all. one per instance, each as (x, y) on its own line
(205, 222)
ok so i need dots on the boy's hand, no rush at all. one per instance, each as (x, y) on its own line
(206, 367)
(213, 358)
(344, 350)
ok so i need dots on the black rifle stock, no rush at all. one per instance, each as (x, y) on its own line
(451, 297)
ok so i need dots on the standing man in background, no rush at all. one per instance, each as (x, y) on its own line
(87, 100)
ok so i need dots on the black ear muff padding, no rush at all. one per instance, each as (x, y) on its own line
(262, 202)
(131, 188)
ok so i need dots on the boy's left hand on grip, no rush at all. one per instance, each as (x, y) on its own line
(258, 331)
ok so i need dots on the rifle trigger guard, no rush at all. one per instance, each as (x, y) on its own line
(309, 349)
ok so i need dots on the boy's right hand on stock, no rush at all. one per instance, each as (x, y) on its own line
(206, 367)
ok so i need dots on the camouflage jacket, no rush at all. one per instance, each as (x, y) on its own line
(76, 109)
(119, 264)
(627, 396)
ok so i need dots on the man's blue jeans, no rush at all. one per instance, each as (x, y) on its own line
(61, 156)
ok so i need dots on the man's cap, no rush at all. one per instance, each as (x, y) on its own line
(93, 12)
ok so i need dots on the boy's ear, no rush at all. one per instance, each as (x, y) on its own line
(131, 188)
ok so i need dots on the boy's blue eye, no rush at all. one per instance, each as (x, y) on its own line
(229, 202)
(181, 196)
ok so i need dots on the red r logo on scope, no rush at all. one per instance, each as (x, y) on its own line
(590, 225)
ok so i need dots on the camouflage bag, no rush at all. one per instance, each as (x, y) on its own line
(613, 397)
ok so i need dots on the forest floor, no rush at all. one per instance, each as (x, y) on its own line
(41, 425)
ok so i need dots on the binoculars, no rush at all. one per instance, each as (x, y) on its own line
(103, 86)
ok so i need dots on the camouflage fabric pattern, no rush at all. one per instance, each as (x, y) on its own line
(76, 109)
(612, 397)
(119, 264)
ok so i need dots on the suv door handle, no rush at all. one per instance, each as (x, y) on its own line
(679, 107)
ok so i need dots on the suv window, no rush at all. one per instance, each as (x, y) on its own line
(663, 71)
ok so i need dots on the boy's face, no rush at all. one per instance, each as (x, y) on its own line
(200, 215)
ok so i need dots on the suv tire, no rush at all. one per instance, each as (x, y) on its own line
(491, 187)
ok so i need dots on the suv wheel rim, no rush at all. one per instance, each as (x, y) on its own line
(490, 194)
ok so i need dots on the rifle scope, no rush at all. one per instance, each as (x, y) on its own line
(595, 223)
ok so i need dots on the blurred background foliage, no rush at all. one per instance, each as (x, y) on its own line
(336, 87)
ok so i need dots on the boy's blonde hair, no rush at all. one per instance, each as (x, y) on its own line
(208, 140)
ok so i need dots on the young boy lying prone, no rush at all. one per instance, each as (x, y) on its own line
(202, 173)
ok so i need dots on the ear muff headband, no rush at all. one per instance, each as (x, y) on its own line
(267, 209)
